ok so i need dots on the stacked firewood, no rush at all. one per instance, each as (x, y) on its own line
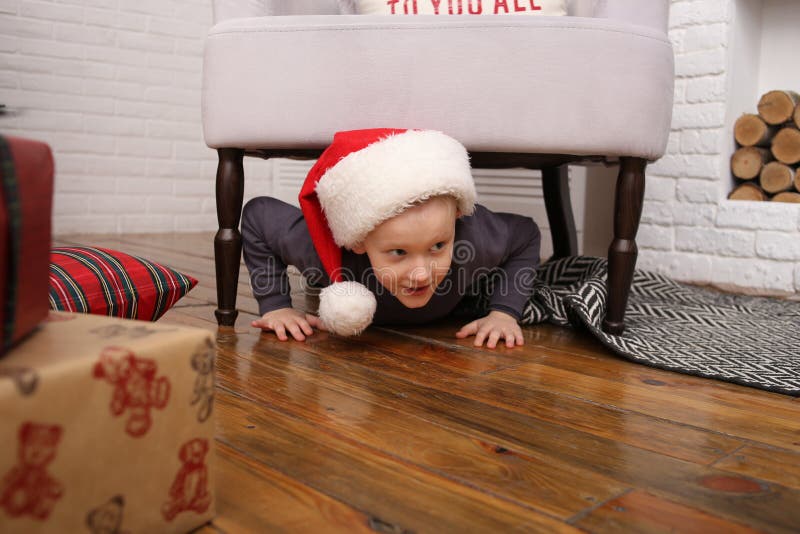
(765, 163)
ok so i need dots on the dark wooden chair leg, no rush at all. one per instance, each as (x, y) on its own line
(228, 241)
(555, 184)
(623, 251)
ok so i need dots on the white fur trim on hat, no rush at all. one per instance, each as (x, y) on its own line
(387, 177)
(346, 308)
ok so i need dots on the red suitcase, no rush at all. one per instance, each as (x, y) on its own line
(26, 198)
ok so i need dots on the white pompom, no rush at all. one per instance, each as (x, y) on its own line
(346, 308)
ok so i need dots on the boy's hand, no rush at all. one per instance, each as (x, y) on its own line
(494, 326)
(297, 323)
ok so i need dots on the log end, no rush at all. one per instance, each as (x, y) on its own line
(750, 130)
(786, 146)
(776, 107)
(776, 177)
(747, 162)
(788, 196)
(747, 191)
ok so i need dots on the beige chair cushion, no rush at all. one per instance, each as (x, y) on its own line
(514, 84)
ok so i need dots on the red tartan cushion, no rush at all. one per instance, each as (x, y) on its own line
(108, 282)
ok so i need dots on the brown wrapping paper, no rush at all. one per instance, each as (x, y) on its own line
(106, 425)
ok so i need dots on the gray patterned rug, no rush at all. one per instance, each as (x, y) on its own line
(753, 341)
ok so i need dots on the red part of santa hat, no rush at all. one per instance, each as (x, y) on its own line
(368, 176)
(343, 144)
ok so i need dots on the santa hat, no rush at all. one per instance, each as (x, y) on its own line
(362, 179)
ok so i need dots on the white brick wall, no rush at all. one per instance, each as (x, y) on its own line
(114, 88)
(689, 230)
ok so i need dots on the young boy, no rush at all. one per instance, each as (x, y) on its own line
(389, 224)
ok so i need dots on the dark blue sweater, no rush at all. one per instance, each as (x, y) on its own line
(274, 235)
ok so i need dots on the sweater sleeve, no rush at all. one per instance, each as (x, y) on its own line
(510, 243)
(274, 235)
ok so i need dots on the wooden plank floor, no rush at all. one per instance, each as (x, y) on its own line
(412, 430)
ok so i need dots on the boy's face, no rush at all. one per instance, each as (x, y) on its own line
(411, 252)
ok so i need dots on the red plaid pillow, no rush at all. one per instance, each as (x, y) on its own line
(108, 282)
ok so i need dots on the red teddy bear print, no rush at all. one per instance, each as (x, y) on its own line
(189, 490)
(203, 363)
(28, 489)
(136, 387)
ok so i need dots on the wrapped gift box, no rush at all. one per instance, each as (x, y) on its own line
(106, 426)
(26, 197)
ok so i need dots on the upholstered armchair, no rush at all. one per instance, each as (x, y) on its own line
(281, 76)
